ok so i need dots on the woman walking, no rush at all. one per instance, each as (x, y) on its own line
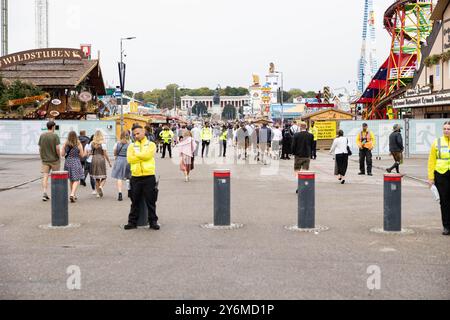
(88, 165)
(340, 151)
(99, 158)
(73, 152)
(121, 170)
(186, 148)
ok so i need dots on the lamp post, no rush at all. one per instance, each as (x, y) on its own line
(122, 89)
(282, 98)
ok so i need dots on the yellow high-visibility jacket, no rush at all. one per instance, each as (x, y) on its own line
(370, 137)
(439, 159)
(166, 135)
(141, 157)
(223, 136)
(206, 134)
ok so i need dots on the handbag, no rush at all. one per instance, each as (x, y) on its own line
(349, 151)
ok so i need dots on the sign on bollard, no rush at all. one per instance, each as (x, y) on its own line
(60, 202)
(222, 198)
(392, 203)
(306, 200)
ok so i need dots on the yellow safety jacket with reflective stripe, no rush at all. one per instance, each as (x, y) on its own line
(206, 134)
(314, 131)
(370, 140)
(439, 160)
(166, 135)
(224, 136)
(141, 157)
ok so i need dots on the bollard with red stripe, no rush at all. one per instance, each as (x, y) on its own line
(222, 189)
(60, 202)
(393, 202)
(306, 200)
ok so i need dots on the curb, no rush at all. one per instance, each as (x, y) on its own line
(19, 185)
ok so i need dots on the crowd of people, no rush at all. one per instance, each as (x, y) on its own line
(136, 151)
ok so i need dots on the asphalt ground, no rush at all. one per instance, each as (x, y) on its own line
(262, 260)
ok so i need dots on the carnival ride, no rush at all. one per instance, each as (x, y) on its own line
(408, 23)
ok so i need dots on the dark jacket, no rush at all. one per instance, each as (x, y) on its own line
(84, 140)
(396, 142)
(302, 144)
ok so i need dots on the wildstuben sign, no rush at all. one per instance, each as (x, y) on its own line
(40, 54)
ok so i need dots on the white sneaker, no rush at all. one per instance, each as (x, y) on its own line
(94, 193)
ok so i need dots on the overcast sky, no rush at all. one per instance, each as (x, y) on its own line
(208, 42)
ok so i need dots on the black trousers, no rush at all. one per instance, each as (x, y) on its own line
(143, 188)
(365, 155)
(205, 144)
(87, 170)
(224, 148)
(314, 150)
(169, 147)
(442, 182)
(342, 164)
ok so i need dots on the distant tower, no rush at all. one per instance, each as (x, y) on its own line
(4, 27)
(367, 68)
(41, 24)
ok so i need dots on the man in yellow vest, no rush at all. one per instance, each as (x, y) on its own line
(315, 132)
(366, 142)
(141, 157)
(223, 139)
(439, 173)
(166, 135)
(206, 135)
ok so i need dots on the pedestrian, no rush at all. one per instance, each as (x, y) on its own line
(315, 132)
(276, 141)
(158, 141)
(50, 156)
(186, 148)
(166, 135)
(241, 141)
(149, 133)
(396, 148)
(223, 138)
(294, 128)
(198, 140)
(264, 141)
(141, 157)
(340, 151)
(301, 148)
(439, 173)
(99, 158)
(206, 135)
(84, 141)
(73, 151)
(121, 169)
(366, 142)
(88, 165)
(286, 143)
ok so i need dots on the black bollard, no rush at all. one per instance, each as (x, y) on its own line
(306, 200)
(60, 202)
(222, 181)
(392, 202)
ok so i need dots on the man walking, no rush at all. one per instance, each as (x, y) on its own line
(396, 148)
(84, 141)
(264, 141)
(49, 151)
(141, 157)
(366, 142)
(301, 148)
(196, 132)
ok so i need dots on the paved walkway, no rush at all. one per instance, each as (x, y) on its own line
(263, 260)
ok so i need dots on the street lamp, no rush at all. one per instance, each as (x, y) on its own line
(121, 97)
(282, 98)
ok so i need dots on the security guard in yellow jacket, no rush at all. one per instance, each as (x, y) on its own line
(141, 157)
(366, 142)
(166, 135)
(223, 140)
(206, 135)
(439, 173)
(315, 132)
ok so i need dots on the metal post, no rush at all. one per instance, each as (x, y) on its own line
(121, 96)
(393, 202)
(222, 188)
(306, 200)
(60, 203)
(407, 133)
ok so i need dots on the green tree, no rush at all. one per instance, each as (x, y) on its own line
(16, 90)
